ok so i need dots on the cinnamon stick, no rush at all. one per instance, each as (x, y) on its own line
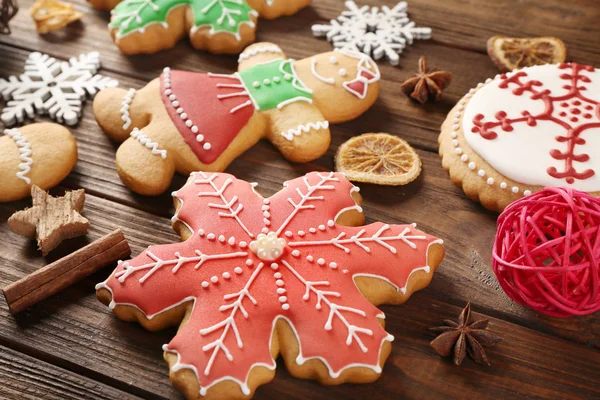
(62, 273)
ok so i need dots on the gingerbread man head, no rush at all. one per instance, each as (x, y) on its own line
(188, 121)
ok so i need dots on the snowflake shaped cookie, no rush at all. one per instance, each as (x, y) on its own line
(52, 87)
(261, 277)
(373, 31)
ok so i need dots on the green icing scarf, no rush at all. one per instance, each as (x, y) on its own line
(274, 84)
(220, 15)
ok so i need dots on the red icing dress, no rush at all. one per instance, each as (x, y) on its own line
(209, 110)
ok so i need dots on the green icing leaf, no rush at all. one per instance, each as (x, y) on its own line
(220, 15)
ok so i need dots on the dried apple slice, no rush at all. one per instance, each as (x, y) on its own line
(378, 158)
(51, 15)
(514, 53)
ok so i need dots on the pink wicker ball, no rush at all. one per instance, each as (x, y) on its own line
(547, 252)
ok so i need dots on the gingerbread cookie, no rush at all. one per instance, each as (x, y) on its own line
(218, 26)
(188, 121)
(38, 154)
(525, 130)
(261, 277)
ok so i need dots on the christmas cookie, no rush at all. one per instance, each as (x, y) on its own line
(218, 26)
(294, 275)
(524, 130)
(37, 154)
(188, 121)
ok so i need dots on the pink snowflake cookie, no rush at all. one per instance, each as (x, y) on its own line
(260, 277)
(525, 130)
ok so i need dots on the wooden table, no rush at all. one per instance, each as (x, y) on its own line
(72, 347)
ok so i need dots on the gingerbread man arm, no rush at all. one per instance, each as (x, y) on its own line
(259, 53)
(299, 131)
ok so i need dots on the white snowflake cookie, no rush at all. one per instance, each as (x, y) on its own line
(525, 130)
(377, 32)
(52, 87)
(295, 274)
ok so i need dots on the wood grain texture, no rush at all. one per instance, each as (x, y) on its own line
(540, 357)
(26, 378)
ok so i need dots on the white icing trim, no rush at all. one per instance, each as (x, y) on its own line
(146, 141)
(247, 54)
(180, 111)
(175, 218)
(24, 151)
(457, 127)
(304, 128)
(127, 99)
(313, 69)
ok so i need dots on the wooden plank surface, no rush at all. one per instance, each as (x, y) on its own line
(80, 342)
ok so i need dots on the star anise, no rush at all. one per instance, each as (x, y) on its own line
(426, 84)
(464, 337)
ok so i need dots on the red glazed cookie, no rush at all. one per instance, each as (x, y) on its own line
(294, 275)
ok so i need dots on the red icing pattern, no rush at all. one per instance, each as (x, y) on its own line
(581, 108)
(239, 296)
(197, 96)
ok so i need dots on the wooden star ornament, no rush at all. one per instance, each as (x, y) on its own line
(51, 219)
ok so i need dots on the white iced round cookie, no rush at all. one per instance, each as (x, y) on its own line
(524, 130)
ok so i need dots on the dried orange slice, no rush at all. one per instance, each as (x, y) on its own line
(51, 15)
(513, 53)
(378, 158)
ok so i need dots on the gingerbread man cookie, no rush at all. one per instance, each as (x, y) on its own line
(189, 121)
(40, 154)
(218, 26)
(523, 131)
(296, 275)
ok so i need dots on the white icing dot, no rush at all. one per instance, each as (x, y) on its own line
(333, 60)
(279, 282)
(471, 165)
(455, 127)
(249, 262)
(256, 84)
(285, 306)
(309, 258)
(503, 185)
(214, 279)
(243, 244)
(330, 223)
(312, 230)
(175, 104)
(332, 265)
(194, 129)
(287, 77)
(188, 123)
(226, 275)
(343, 72)
(267, 81)
(238, 270)
(274, 266)
(458, 150)
(526, 192)
(490, 181)
(199, 137)
(321, 227)
(481, 173)
(277, 275)
(231, 241)
(281, 290)
(201, 232)
(179, 110)
(206, 146)
(282, 299)
(288, 233)
(301, 233)
(168, 92)
(464, 158)
(295, 253)
(515, 189)
(321, 261)
(205, 284)
(211, 236)
(172, 97)
(453, 135)
(183, 116)
(455, 143)
(276, 79)
(221, 238)
(266, 201)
